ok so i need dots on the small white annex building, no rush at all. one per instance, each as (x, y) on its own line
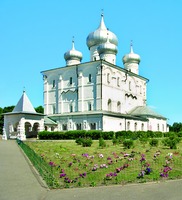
(99, 94)
(23, 121)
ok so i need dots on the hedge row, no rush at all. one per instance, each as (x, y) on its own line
(71, 135)
(96, 134)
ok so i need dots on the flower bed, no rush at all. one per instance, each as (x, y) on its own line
(76, 166)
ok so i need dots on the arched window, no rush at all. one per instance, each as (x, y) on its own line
(53, 109)
(158, 128)
(128, 126)
(120, 126)
(118, 81)
(142, 127)
(108, 77)
(119, 106)
(163, 127)
(130, 85)
(109, 105)
(135, 126)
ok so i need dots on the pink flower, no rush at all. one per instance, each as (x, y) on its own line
(101, 155)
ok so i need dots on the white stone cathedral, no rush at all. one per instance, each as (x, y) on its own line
(99, 95)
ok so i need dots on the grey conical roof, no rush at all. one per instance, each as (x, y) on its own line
(145, 111)
(24, 105)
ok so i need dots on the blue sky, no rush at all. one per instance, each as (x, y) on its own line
(35, 34)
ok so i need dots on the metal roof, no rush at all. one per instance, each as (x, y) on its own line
(145, 111)
(24, 105)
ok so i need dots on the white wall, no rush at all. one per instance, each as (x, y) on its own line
(157, 125)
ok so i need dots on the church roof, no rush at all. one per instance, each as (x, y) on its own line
(131, 57)
(99, 36)
(48, 121)
(145, 111)
(24, 105)
(73, 53)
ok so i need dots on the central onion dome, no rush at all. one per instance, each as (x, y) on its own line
(99, 36)
(107, 47)
(73, 56)
(131, 57)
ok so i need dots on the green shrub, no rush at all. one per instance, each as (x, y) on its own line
(102, 143)
(72, 135)
(158, 134)
(143, 140)
(94, 134)
(179, 134)
(115, 141)
(125, 134)
(87, 142)
(128, 143)
(46, 135)
(171, 141)
(168, 134)
(154, 142)
(79, 141)
(107, 135)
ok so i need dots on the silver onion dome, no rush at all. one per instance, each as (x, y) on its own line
(107, 47)
(99, 36)
(73, 54)
(131, 57)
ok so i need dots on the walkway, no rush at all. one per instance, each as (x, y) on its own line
(18, 181)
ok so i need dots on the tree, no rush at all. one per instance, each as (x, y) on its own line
(39, 109)
(1, 120)
(176, 127)
(4, 110)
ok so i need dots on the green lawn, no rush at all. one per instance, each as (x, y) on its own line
(94, 166)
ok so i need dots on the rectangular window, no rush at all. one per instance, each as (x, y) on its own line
(89, 78)
(93, 126)
(71, 80)
(64, 127)
(89, 106)
(53, 83)
(71, 108)
(78, 126)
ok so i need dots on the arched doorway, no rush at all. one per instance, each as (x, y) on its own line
(28, 129)
(35, 130)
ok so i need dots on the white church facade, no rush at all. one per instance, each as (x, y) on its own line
(99, 95)
(95, 95)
